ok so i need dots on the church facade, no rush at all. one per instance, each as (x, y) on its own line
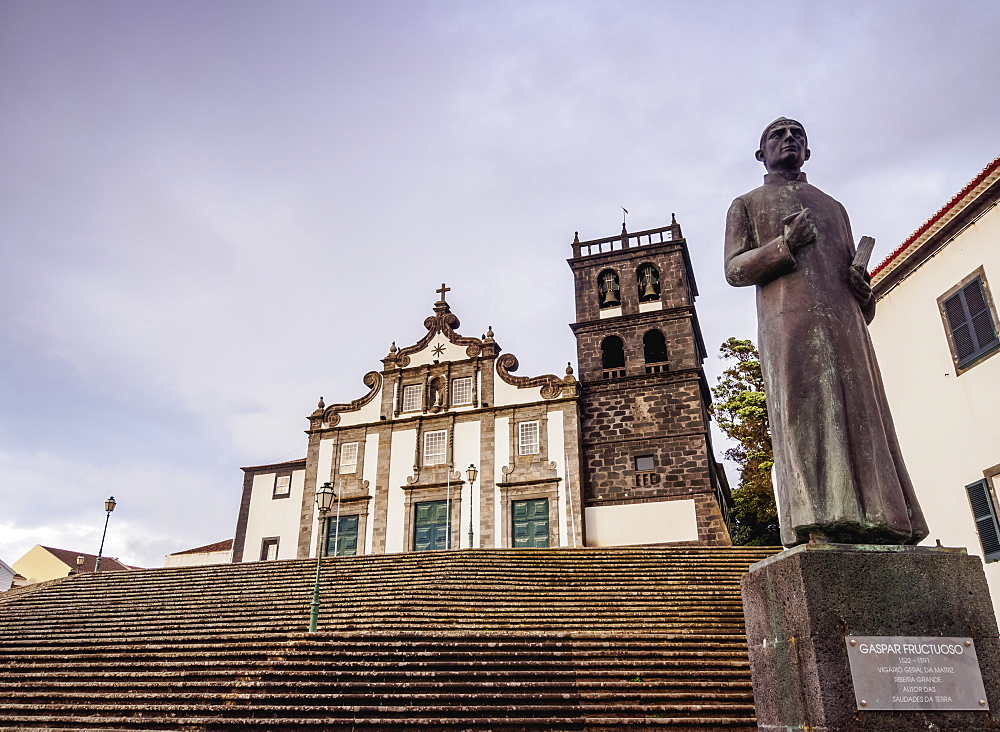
(619, 455)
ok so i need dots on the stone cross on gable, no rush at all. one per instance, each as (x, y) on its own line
(443, 290)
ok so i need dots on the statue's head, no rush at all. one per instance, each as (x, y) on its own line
(783, 146)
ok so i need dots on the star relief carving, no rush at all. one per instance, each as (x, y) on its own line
(438, 350)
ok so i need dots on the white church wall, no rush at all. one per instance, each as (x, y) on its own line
(506, 395)
(557, 454)
(324, 463)
(501, 458)
(271, 517)
(641, 523)
(467, 452)
(370, 412)
(451, 352)
(946, 422)
(402, 445)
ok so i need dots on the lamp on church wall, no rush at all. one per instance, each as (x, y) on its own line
(109, 506)
(471, 473)
(325, 497)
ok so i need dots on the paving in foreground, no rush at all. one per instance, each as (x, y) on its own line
(570, 639)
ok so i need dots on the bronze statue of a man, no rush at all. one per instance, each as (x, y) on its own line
(839, 474)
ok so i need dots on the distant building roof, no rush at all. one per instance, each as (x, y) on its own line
(976, 187)
(67, 557)
(301, 461)
(219, 546)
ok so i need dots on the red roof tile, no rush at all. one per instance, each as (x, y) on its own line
(219, 546)
(67, 557)
(937, 216)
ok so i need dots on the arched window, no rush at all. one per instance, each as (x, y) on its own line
(649, 283)
(613, 357)
(654, 349)
(609, 289)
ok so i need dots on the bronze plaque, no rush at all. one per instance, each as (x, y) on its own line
(912, 673)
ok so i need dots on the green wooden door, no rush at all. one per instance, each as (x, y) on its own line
(531, 522)
(430, 527)
(342, 537)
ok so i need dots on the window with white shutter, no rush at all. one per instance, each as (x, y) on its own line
(436, 447)
(461, 391)
(412, 397)
(527, 443)
(349, 457)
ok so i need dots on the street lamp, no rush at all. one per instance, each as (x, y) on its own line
(471, 473)
(325, 497)
(109, 506)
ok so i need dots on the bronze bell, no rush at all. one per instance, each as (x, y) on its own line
(649, 290)
(610, 298)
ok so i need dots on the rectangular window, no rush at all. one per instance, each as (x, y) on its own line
(412, 397)
(527, 438)
(282, 486)
(971, 323)
(269, 549)
(349, 457)
(461, 391)
(644, 463)
(984, 512)
(436, 447)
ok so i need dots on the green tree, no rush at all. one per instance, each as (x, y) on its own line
(740, 410)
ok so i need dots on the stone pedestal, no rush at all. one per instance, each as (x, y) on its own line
(801, 604)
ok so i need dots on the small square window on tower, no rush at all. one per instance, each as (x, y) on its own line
(282, 486)
(527, 438)
(412, 397)
(461, 391)
(644, 463)
(349, 457)
(436, 447)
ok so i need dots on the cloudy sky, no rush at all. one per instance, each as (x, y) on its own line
(212, 213)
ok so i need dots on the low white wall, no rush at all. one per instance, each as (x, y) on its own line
(641, 523)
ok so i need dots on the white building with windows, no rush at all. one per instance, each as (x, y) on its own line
(935, 333)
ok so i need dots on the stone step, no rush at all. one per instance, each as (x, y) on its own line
(463, 640)
(659, 723)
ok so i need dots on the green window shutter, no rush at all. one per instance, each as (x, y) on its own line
(970, 321)
(985, 513)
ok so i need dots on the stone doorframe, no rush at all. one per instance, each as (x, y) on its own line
(524, 491)
(413, 494)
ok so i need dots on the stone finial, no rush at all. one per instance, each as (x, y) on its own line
(576, 237)
(569, 369)
(392, 347)
(673, 219)
(321, 404)
(489, 333)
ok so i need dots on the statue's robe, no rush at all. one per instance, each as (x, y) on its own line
(838, 467)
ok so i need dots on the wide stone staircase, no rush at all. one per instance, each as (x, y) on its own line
(537, 639)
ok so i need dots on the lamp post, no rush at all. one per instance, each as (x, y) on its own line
(80, 559)
(471, 473)
(109, 506)
(324, 502)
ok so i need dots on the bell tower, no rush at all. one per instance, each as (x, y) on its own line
(649, 474)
